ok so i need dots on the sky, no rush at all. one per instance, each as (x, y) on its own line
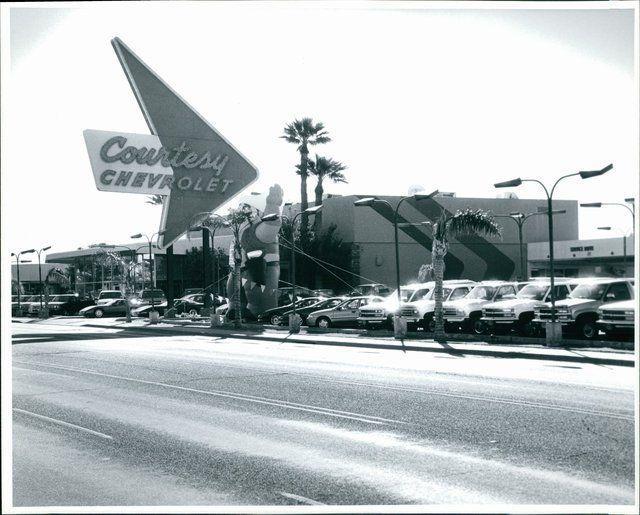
(446, 98)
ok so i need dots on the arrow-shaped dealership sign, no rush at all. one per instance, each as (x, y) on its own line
(185, 158)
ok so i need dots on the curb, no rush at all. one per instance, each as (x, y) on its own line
(496, 353)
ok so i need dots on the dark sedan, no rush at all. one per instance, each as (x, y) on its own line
(110, 308)
(323, 304)
(275, 316)
(191, 304)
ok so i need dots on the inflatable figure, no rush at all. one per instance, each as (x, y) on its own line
(260, 269)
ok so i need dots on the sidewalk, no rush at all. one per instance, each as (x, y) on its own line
(354, 339)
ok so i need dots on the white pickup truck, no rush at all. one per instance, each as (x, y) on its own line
(381, 314)
(419, 313)
(578, 313)
(618, 318)
(465, 314)
(517, 312)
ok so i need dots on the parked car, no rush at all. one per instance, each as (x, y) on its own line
(381, 314)
(518, 312)
(274, 315)
(107, 295)
(144, 297)
(578, 313)
(618, 318)
(304, 312)
(24, 304)
(465, 314)
(191, 304)
(419, 313)
(107, 308)
(65, 304)
(344, 314)
(381, 290)
(144, 310)
(285, 294)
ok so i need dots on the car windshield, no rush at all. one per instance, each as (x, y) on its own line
(110, 295)
(330, 303)
(533, 291)
(482, 292)
(588, 291)
(409, 294)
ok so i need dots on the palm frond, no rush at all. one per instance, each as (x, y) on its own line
(472, 221)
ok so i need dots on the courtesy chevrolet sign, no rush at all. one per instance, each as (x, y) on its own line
(138, 163)
(185, 158)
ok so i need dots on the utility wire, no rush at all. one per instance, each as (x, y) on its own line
(300, 251)
(320, 264)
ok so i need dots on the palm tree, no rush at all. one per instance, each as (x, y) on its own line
(462, 223)
(236, 219)
(304, 133)
(324, 168)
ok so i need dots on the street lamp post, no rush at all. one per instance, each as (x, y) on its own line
(294, 326)
(17, 256)
(370, 201)
(40, 273)
(520, 219)
(153, 279)
(556, 333)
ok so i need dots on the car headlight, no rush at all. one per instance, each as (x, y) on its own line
(461, 312)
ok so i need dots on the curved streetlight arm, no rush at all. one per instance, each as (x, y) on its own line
(543, 186)
(563, 177)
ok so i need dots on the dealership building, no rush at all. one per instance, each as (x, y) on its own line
(369, 231)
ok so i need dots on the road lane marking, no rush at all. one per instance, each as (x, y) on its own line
(302, 499)
(369, 419)
(63, 423)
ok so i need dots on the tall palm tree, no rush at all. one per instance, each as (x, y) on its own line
(324, 168)
(304, 133)
(462, 223)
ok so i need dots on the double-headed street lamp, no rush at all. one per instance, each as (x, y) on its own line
(40, 272)
(17, 256)
(517, 182)
(520, 219)
(293, 325)
(207, 231)
(627, 200)
(153, 277)
(371, 201)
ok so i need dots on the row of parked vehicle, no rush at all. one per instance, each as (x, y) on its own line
(584, 307)
(112, 303)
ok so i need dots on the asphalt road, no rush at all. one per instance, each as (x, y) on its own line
(102, 417)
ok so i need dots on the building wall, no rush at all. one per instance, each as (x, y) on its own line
(471, 257)
(602, 257)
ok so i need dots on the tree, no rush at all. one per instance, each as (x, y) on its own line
(462, 223)
(304, 133)
(324, 168)
(235, 219)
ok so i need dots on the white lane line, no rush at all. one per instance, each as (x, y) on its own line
(63, 423)
(301, 499)
(259, 400)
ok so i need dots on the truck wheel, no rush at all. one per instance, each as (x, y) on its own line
(587, 329)
(526, 326)
(477, 326)
(429, 323)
